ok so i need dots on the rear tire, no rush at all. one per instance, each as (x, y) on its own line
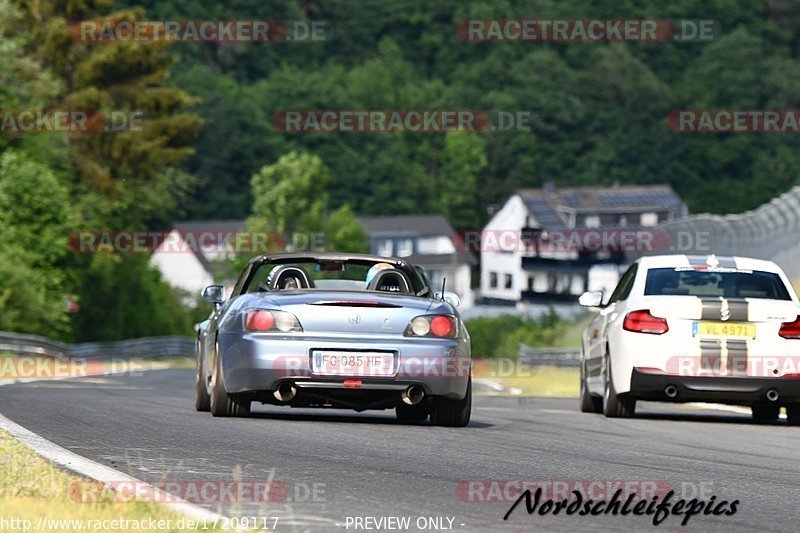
(222, 403)
(413, 413)
(589, 403)
(616, 406)
(202, 401)
(765, 412)
(452, 413)
(793, 414)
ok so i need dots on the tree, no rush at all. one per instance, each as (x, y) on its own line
(464, 160)
(35, 221)
(289, 196)
(343, 232)
(108, 78)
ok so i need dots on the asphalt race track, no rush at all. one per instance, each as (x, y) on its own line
(336, 464)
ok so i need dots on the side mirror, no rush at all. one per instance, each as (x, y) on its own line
(591, 299)
(449, 297)
(214, 294)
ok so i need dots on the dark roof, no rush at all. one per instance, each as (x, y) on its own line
(419, 225)
(547, 204)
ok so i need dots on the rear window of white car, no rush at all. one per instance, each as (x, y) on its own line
(707, 283)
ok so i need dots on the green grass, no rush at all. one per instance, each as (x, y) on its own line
(545, 381)
(31, 488)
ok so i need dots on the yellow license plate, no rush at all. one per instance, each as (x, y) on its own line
(724, 330)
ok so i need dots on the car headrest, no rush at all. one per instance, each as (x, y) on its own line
(390, 281)
(289, 277)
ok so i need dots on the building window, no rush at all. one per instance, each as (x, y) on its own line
(384, 247)
(623, 220)
(509, 281)
(493, 280)
(592, 221)
(649, 219)
(405, 247)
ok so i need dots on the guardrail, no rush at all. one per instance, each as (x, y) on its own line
(767, 232)
(150, 347)
(566, 357)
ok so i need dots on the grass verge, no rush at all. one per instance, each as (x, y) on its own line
(31, 489)
(506, 378)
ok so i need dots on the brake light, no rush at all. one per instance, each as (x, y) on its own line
(442, 326)
(643, 322)
(269, 320)
(790, 330)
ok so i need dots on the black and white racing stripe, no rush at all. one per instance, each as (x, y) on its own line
(730, 354)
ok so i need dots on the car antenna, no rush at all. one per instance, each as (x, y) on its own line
(444, 284)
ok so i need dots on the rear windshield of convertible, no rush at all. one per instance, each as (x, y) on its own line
(354, 274)
(704, 283)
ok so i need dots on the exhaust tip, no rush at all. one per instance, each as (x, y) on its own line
(671, 391)
(285, 392)
(772, 395)
(413, 395)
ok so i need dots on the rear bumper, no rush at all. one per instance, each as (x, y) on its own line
(260, 363)
(719, 389)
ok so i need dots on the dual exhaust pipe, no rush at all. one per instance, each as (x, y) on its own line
(287, 391)
(671, 391)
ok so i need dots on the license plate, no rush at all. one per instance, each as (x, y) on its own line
(723, 330)
(333, 363)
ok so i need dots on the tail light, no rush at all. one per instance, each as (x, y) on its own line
(441, 326)
(643, 322)
(269, 320)
(790, 330)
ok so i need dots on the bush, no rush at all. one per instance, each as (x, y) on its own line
(501, 336)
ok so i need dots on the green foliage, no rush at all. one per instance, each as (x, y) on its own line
(501, 336)
(599, 110)
(122, 297)
(343, 232)
(289, 196)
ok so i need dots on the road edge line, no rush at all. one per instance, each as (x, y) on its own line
(104, 474)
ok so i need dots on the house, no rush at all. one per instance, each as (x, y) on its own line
(551, 244)
(428, 241)
(185, 253)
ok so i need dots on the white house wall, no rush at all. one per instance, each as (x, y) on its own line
(181, 268)
(510, 218)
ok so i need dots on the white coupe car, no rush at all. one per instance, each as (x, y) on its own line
(694, 328)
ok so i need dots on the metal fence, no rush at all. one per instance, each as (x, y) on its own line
(150, 347)
(767, 232)
(566, 357)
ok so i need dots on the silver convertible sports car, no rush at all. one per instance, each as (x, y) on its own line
(333, 330)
